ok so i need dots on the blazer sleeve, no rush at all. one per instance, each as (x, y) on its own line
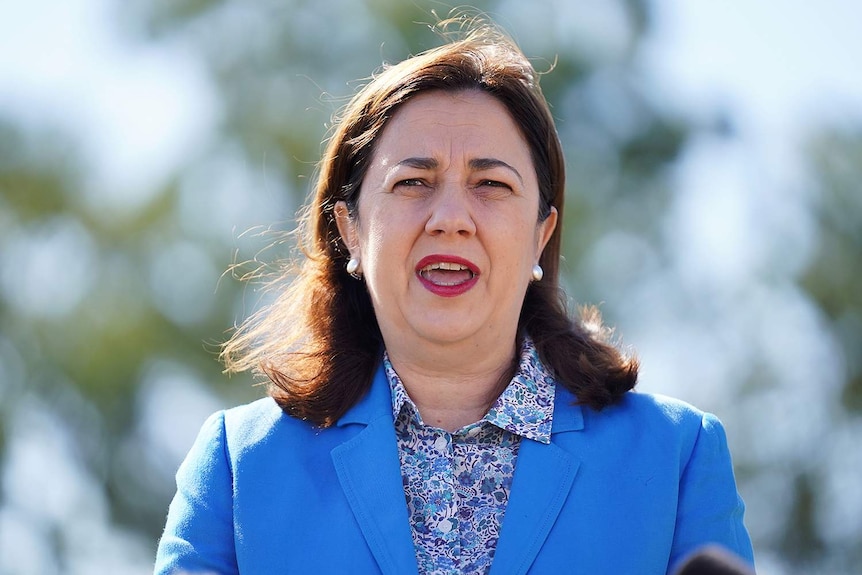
(199, 533)
(710, 510)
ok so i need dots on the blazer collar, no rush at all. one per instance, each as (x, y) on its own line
(369, 471)
(568, 416)
(374, 404)
(543, 480)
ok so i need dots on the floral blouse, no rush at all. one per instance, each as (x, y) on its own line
(457, 484)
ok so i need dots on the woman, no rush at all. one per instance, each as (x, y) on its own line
(433, 409)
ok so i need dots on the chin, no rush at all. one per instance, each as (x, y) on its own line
(444, 335)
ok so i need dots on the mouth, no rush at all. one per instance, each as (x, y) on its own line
(439, 271)
(446, 273)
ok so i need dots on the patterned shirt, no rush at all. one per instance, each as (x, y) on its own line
(457, 484)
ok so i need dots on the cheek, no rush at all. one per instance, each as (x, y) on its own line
(524, 239)
(537, 240)
(369, 236)
(389, 228)
(385, 244)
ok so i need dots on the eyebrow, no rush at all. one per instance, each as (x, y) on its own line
(476, 164)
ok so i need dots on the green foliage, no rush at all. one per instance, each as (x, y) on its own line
(834, 275)
(801, 542)
(34, 174)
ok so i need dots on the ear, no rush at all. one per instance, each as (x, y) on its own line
(347, 228)
(545, 230)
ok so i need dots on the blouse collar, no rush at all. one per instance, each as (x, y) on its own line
(525, 408)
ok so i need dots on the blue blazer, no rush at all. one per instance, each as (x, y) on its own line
(631, 489)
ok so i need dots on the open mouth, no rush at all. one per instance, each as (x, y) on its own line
(446, 273)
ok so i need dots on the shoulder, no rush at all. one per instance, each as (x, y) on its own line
(635, 405)
(252, 422)
(260, 432)
(657, 422)
(230, 430)
(674, 414)
(254, 427)
(661, 409)
(657, 410)
(260, 423)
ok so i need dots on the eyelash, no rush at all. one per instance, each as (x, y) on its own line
(410, 182)
(495, 184)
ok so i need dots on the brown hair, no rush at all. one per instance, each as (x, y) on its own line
(319, 343)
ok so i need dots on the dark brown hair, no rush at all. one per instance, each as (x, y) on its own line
(319, 343)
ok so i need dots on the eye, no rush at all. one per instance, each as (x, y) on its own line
(492, 189)
(495, 184)
(410, 182)
(412, 188)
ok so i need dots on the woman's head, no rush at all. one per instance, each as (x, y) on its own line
(447, 226)
(483, 60)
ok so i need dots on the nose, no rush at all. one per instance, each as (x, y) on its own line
(451, 213)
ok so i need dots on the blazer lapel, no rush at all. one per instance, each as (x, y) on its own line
(543, 479)
(369, 471)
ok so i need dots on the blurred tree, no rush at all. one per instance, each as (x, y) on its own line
(835, 272)
(832, 280)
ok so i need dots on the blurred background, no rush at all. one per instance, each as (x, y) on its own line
(714, 212)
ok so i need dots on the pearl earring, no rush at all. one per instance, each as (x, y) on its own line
(538, 273)
(353, 268)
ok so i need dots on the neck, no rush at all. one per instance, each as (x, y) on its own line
(455, 387)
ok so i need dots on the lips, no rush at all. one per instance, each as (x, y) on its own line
(447, 275)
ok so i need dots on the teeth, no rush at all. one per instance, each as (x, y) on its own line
(445, 266)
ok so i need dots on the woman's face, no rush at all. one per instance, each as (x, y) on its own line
(447, 230)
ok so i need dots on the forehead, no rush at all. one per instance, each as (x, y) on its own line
(464, 122)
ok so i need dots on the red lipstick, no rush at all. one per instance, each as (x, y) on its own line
(447, 275)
